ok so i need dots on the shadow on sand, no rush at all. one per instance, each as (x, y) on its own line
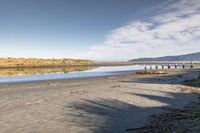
(116, 116)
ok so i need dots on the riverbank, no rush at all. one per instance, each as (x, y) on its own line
(106, 104)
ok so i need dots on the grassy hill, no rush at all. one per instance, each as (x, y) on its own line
(35, 62)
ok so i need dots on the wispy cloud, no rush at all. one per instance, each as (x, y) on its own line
(174, 30)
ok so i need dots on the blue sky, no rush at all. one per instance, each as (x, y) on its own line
(99, 29)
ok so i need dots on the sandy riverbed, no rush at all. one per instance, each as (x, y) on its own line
(94, 105)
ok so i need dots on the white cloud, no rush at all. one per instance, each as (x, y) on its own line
(176, 30)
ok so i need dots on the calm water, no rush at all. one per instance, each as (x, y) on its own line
(37, 74)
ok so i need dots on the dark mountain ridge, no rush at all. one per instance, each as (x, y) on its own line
(186, 57)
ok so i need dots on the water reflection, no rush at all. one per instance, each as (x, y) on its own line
(28, 71)
(57, 73)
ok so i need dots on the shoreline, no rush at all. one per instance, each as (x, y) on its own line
(118, 74)
(107, 104)
(112, 74)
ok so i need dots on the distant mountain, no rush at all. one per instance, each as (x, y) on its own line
(187, 57)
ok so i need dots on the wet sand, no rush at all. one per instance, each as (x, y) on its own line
(109, 104)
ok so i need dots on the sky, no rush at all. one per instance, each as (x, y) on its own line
(101, 30)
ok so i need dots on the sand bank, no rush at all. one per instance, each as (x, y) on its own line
(109, 104)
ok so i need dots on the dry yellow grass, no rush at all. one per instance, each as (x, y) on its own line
(152, 72)
(32, 62)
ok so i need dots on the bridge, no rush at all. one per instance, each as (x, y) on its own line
(195, 63)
